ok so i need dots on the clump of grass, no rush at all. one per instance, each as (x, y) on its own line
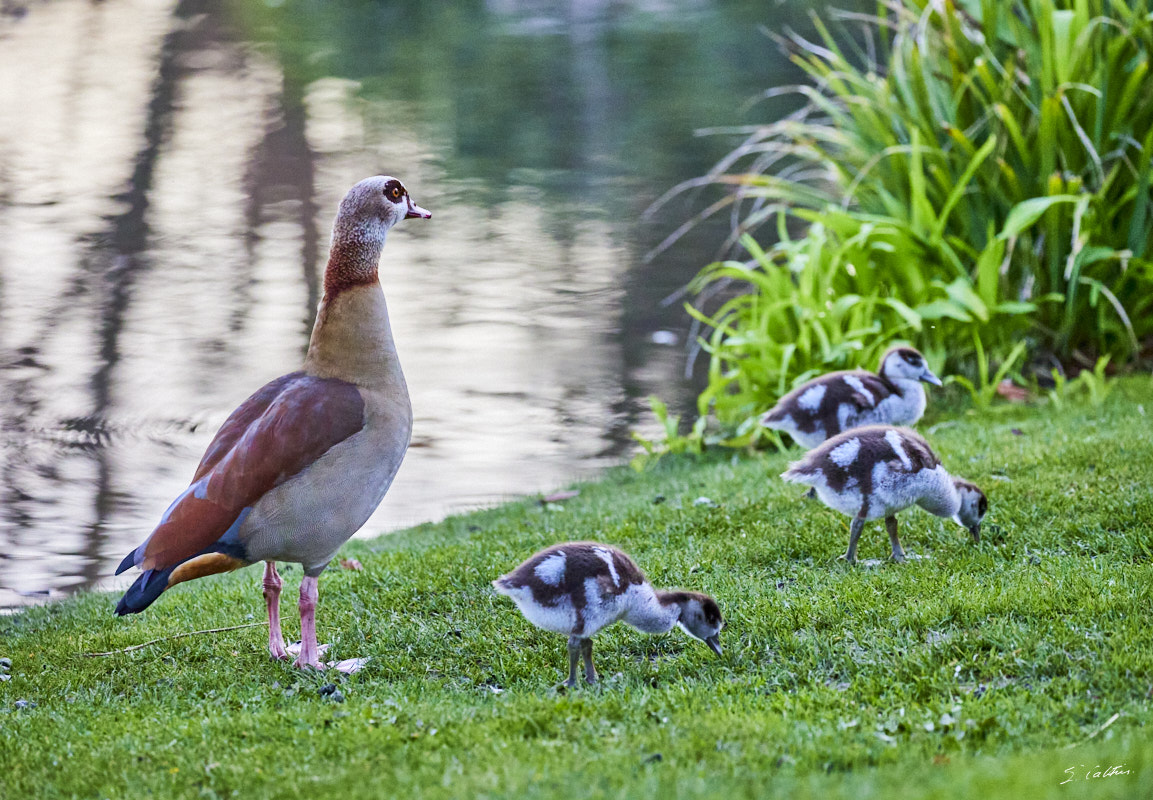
(965, 176)
(980, 670)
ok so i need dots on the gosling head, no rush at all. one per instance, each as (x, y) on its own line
(700, 617)
(974, 504)
(906, 364)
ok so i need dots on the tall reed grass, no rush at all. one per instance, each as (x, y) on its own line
(965, 176)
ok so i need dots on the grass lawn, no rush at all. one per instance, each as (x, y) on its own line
(979, 671)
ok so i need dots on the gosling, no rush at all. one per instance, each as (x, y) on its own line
(873, 472)
(820, 409)
(578, 588)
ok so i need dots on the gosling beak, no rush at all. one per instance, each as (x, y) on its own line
(928, 377)
(974, 530)
(714, 643)
(416, 211)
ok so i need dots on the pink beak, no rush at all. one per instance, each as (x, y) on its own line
(416, 211)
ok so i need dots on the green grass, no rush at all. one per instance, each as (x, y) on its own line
(977, 671)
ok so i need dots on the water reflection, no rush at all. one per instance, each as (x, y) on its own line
(168, 173)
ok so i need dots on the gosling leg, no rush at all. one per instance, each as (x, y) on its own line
(855, 529)
(891, 527)
(574, 654)
(587, 652)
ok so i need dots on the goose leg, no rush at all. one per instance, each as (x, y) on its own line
(574, 654)
(891, 527)
(272, 584)
(854, 534)
(309, 653)
(587, 652)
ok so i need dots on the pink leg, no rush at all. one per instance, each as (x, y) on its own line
(309, 654)
(272, 584)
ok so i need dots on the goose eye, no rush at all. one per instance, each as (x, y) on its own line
(395, 193)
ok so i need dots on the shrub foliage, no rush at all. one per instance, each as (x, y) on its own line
(966, 176)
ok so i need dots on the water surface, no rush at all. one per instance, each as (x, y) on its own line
(168, 176)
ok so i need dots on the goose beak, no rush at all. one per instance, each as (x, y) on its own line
(416, 211)
(928, 377)
(714, 643)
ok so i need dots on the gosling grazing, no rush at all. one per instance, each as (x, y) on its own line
(825, 406)
(873, 472)
(578, 588)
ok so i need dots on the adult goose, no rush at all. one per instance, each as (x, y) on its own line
(303, 462)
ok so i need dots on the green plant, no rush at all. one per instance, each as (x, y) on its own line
(1090, 385)
(673, 442)
(819, 303)
(983, 392)
(981, 175)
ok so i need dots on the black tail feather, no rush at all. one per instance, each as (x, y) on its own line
(147, 588)
(128, 563)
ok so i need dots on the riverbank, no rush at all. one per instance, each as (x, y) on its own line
(986, 670)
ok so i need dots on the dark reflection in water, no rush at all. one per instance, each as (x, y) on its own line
(168, 173)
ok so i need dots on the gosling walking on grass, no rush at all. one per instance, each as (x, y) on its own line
(874, 472)
(578, 588)
(820, 409)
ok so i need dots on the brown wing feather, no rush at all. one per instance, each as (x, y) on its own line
(275, 434)
(239, 420)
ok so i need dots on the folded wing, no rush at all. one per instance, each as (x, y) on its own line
(277, 433)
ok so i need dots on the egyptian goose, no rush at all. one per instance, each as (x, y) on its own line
(301, 464)
(873, 472)
(825, 406)
(580, 587)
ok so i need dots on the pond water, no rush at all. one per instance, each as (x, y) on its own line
(168, 176)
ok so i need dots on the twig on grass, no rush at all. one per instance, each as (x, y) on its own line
(1108, 722)
(174, 636)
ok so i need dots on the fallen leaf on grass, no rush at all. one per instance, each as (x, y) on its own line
(557, 497)
(1012, 392)
(349, 665)
(351, 563)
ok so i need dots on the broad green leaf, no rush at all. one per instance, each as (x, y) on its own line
(961, 292)
(1025, 213)
(988, 268)
(941, 309)
(1014, 307)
